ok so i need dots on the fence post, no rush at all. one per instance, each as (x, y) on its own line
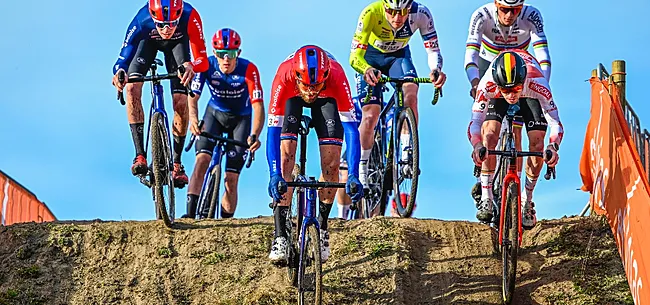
(618, 78)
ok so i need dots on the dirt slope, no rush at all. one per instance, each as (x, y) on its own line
(378, 261)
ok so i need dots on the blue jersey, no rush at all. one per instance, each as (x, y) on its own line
(233, 93)
(142, 27)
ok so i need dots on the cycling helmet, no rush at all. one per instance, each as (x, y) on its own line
(509, 70)
(226, 39)
(509, 3)
(310, 65)
(165, 10)
(399, 4)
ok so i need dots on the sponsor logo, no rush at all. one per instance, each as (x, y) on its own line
(235, 77)
(216, 74)
(198, 26)
(536, 20)
(292, 119)
(477, 18)
(431, 44)
(540, 89)
(491, 87)
(536, 123)
(360, 26)
(235, 84)
(128, 36)
(276, 95)
(232, 153)
(140, 60)
(389, 46)
(330, 122)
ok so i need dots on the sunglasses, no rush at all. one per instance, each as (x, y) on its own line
(223, 53)
(506, 10)
(393, 12)
(163, 24)
(515, 89)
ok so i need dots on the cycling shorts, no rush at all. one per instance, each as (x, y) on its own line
(238, 127)
(176, 52)
(325, 119)
(395, 64)
(530, 111)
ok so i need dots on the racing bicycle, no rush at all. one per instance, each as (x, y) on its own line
(506, 223)
(303, 228)
(212, 180)
(388, 171)
(159, 173)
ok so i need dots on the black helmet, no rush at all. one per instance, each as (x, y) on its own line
(509, 70)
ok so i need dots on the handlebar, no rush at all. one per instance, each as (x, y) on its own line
(150, 78)
(251, 156)
(547, 155)
(437, 92)
(282, 186)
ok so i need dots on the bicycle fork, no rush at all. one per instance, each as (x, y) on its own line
(510, 177)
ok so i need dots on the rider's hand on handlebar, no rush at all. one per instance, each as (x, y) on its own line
(472, 92)
(476, 154)
(274, 183)
(555, 158)
(438, 82)
(253, 143)
(194, 126)
(187, 77)
(116, 81)
(371, 76)
(356, 196)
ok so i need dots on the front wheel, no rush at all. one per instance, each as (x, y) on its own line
(310, 278)
(162, 170)
(214, 196)
(510, 246)
(406, 162)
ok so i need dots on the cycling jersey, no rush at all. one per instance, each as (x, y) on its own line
(232, 93)
(536, 87)
(142, 27)
(373, 29)
(284, 88)
(489, 37)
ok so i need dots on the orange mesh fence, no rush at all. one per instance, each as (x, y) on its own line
(19, 204)
(612, 172)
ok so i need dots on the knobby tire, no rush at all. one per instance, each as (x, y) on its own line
(406, 115)
(214, 196)
(312, 251)
(510, 246)
(162, 171)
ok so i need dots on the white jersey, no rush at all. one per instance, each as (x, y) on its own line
(536, 87)
(487, 37)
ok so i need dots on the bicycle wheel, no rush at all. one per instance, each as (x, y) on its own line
(293, 224)
(378, 194)
(214, 196)
(162, 169)
(309, 281)
(510, 246)
(408, 169)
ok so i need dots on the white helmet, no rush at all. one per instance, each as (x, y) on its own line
(399, 4)
(508, 2)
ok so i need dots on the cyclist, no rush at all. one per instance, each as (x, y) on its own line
(236, 90)
(500, 25)
(310, 78)
(172, 27)
(380, 46)
(514, 76)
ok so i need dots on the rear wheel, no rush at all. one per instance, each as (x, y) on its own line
(375, 201)
(162, 170)
(310, 278)
(510, 246)
(214, 196)
(406, 162)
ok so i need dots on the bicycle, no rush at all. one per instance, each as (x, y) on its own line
(385, 172)
(212, 180)
(507, 199)
(303, 234)
(159, 172)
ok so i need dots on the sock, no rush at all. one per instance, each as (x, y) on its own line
(529, 187)
(363, 164)
(324, 209)
(486, 185)
(137, 134)
(225, 214)
(405, 140)
(192, 201)
(344, 210)
(179, 141)
(280, 215)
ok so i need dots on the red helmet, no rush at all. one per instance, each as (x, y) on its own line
(226, 39)
(310, 65)
(165, 10)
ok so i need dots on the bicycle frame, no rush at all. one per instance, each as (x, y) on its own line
(157, 105)
(511, 175)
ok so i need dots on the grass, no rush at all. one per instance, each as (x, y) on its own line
(165, 252)
(214, 258)
(29, 272)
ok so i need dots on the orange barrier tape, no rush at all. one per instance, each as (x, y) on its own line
(20, 205)
(612, 172)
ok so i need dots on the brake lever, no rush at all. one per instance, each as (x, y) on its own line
(120, 94)
(193, 137)
(189, 91)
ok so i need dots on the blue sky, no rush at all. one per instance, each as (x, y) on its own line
(66, 137)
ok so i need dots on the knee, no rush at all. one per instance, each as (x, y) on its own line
(536, 141)
(134, 90)
(410, 93)
(202, 160)
(370, 117)
(180, 103)
(330, 165)
(231, 180)
(491, 135)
